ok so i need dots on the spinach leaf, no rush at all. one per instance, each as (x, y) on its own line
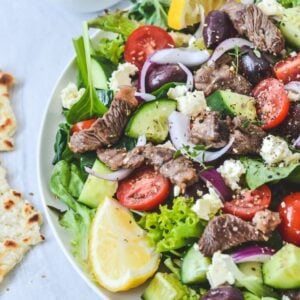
(88, 106)
(126, 142)
(61, 148)
(87, 160)
(257, 173)
(117, 22)
(66, 183)
(163, 90)
(111, 49)
(153, 12)
(105, 96)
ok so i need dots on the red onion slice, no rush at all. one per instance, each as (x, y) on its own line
(186, 56)
(145, 96)
(114, 176)
(120, 174)
(189, 75)
(179, 129)
(214, 178)
(293, 86)
(253, 253)
(228, 45)
(296, 144)
(143, 74)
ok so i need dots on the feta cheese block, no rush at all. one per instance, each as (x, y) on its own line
(20, 226)
(8, 122)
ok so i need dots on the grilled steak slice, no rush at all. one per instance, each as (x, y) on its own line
(210, 130)
(112, 157)
(226, 231)
(157, 156)
(108, 129)
(248, 137)
(250, 21)
(180, 171)
(211, 78)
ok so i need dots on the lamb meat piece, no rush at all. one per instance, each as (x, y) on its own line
(211, 78)
(210, 130)
(266, 221)
(113, 158)
(248, 137)
(134, 158)
(157, 156)
(180, 171)
(250, 21)
(226, 231)
(108, 129)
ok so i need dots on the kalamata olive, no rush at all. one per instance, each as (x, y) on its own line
(254, 65)
(217, 28)
(159, 75)
(290, 127)
(223, 293)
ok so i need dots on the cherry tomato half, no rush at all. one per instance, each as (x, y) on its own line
(144, 41)
(248, 203)
(289, 211)
(82, 125)
(272, 102)
(289, 69)
(144, 190)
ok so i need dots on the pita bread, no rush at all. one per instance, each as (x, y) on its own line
(19, 226)
(8, 122)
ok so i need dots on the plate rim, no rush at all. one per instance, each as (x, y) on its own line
(71, 259)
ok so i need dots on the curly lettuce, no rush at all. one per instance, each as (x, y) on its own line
(289, 3)
(172, 228)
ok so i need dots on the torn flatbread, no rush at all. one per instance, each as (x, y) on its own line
(8, 122)
(19, 226)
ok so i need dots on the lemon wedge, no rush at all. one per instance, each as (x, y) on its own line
(183, 13)
(119, 254)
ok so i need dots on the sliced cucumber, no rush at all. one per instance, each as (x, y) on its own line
(194, 267)
(96, 189)
(151, 120)
(232, 104)
(165, 287)
(98, 75)
(290, 26)
(283, 269)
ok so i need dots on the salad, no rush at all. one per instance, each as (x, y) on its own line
(179, 157)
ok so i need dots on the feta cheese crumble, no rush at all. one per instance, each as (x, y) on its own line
(70, 95)
(220, 271)
(208, 205)
(189, 103)
(122, 76)
(231, 171)
(275, 150)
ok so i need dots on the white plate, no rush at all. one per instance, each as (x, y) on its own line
(52, 118)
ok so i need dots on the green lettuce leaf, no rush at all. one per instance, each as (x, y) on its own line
(259, 173)
(111, 49)
(172, 228)
(66, 184)
(89, 105)
(289, 3)
(61, 148)
(154, 12)
(117, 22)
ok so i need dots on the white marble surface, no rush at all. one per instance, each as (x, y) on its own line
(35, 45)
